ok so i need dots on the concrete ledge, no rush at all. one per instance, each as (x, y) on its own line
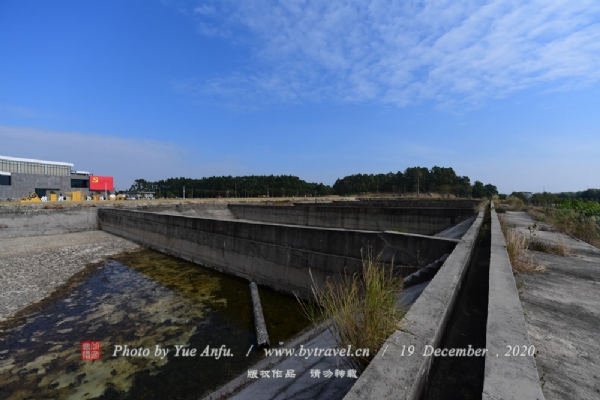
(507, 377)
(398, 202)
(419, 203)
(364, 216)
(394, 374)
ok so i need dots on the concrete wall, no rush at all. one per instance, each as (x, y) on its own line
(507, 377)
(424, 221)
(277, 256)
(402, 203)
(394, 373)
(30, 220)
(213, 211)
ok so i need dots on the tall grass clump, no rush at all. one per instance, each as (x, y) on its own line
(516, 244)
(537, 213)
(359, 310)
(515, 203)
(558, 247)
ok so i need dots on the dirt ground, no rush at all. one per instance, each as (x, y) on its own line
(562, 311)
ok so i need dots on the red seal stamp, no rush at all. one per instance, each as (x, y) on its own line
(90, 350)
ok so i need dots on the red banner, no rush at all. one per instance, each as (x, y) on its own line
(101, 183)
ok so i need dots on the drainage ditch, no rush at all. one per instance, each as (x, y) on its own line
(462, 377)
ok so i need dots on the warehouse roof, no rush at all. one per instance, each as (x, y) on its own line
(31, 160)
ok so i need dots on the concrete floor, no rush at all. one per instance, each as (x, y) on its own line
(562, 311)
(33, 266)
(457, 231)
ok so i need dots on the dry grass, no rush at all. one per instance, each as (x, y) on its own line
(361, 310)
(480, 206)
(516, 246)
(513, 203)
(559, 247)
(537, 214)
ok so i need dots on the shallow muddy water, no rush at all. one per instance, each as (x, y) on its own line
(146, 301)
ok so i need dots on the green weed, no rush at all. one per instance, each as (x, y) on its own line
(360, 310)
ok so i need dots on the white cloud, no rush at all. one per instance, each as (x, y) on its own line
(402, 52)
(205, 9)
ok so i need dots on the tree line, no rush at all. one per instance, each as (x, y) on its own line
(415, 179)
(551, 199)
(589, 194)
(229, 186)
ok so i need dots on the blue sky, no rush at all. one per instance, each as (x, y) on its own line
(506, 92)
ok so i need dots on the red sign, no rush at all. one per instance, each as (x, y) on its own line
(90, 350)
(101, 183)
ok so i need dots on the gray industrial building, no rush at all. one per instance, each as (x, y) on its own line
(21, 176)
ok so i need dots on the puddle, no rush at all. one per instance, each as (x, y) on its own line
(143, 300)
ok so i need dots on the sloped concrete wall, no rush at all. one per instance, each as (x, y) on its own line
(424, 221)
(278, 256)
(33, 219)
(17, 221)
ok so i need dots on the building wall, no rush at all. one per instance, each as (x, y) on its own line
(24, 184)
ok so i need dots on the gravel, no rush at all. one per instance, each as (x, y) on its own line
(32, 267)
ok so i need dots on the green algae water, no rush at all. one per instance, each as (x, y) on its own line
(137, 306)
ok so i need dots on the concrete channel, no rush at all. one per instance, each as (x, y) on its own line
(510, 367)
(276, 246)
(332, 246)
(276, 255)
(400, 370)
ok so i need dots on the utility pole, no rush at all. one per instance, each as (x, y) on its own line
(184, 192)
(418, 182)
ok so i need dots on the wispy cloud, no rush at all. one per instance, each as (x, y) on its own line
(126, 159)
(402, 52)
(12, 110)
